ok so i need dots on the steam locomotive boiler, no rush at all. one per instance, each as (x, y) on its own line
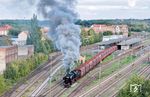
(84, 68)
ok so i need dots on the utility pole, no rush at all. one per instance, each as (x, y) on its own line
(100, 70)
(50, 77)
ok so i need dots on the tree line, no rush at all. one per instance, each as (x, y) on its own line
(35, 38)
(90, 37)
(134, 24)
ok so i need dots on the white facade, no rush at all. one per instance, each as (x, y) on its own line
(3, 32)
(21, 40)
(107, 38)
(125, 47)
(26, 50)
(22, 51)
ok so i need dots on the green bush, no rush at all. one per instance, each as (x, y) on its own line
(2, 84)
(145, 88)
(107, 33)
(90, 37)
(21, 68)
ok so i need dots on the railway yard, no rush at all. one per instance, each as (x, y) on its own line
(104, 80)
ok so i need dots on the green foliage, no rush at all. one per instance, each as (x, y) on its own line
(90, 37)
(35, 38)
(22, 68)
(17, 24)
(107, 33)
(109, 58)
(5, 41)
(88, 57)
(117, 65)
(134, 24)
(14, 32)
(3, 85)
(129, 34)
(145, 91)
(120, 33)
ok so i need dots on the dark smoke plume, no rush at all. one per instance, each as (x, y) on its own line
(63, 31)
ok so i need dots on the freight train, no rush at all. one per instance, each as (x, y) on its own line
(84, 68)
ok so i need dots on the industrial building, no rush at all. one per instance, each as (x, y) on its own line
(7, 55)
(25, 51)
(127, 44)
(13, 52)
(109, 43)
(21, 39)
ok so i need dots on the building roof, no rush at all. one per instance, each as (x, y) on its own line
(26, 46)
(5, 27)
(106, 25)
(130, 41)
(98, 25)
(112, 41)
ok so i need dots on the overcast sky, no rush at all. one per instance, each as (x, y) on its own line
(87, 9)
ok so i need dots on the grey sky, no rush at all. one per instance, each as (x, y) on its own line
(87, 9)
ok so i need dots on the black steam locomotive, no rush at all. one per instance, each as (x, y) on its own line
(70, 78)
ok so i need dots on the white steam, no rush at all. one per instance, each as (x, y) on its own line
(63, 31)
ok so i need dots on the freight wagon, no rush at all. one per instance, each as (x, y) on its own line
(84, 68)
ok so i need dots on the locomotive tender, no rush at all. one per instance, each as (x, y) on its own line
(84, 68)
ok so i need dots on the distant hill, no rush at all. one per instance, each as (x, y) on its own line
(112, 21)
(21, 23)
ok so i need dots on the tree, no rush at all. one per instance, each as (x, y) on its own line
(120, 33)
(35, 38)
(12, 72)
(98, 37)
(145, 88)
(129, 34)
(91, 36)
(14, 32)
(107, 33)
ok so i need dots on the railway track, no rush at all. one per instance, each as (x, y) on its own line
(59, 90)
(52, 89)
(105, 85)
(141, 72)
(129, 51)
(82, 84)
(123, 78)
(41, 74)
(104, 66)
(39, 89)
(55, 89)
